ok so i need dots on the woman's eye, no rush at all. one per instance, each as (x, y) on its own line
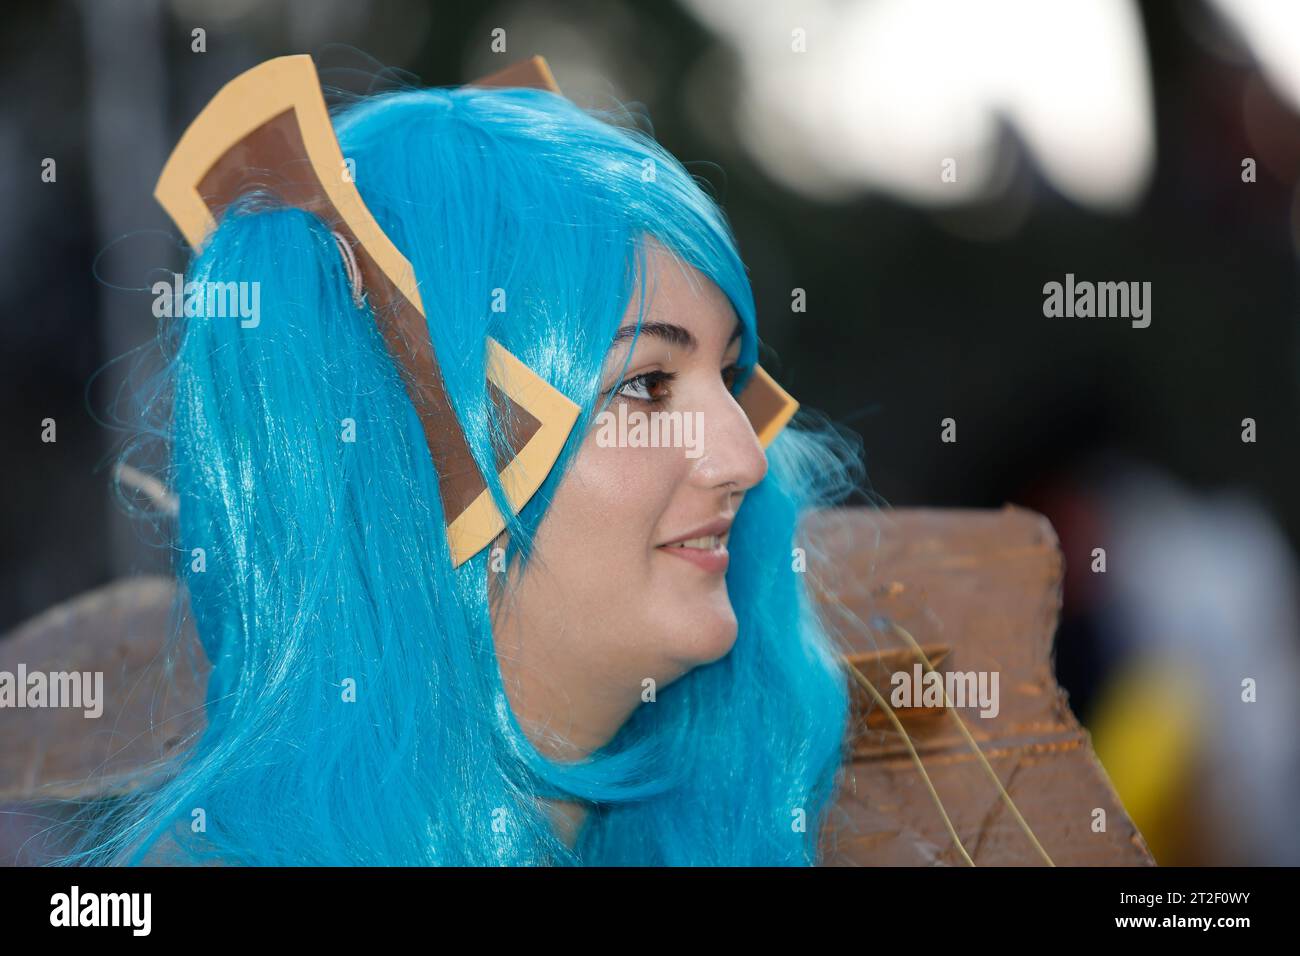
(729, 376)
(651, 387)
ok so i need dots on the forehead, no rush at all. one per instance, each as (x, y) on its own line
(678, 293)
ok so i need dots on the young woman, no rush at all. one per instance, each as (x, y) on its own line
(635, 673)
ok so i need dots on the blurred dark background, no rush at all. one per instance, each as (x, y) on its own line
(1102, 139)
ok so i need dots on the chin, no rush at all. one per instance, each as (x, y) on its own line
(707, 634)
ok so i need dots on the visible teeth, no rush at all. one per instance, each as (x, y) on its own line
(712, 542)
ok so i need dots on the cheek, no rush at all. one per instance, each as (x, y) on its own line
(600, 530)
(623, 603)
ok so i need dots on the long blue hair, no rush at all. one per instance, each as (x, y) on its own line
(355, 709)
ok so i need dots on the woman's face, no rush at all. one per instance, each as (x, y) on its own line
(628, 579)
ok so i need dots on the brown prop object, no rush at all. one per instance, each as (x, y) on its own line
(980, 590)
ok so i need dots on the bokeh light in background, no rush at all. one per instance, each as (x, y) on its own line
(1103, 138)
(893, 87)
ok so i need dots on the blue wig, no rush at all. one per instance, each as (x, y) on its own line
(318, 572)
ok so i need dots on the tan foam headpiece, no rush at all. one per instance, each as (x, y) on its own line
(269, 127)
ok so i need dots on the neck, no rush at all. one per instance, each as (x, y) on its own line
(566, 706)
(567, 816)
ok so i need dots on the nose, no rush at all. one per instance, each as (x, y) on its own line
(732, 455)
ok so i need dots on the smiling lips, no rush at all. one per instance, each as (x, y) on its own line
(704, 547)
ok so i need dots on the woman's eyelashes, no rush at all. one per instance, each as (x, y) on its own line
(654, 387)
(648, 387)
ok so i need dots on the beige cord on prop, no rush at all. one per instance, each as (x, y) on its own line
(916, 758)
(988, 768)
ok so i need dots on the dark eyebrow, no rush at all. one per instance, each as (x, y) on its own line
(670, 333)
